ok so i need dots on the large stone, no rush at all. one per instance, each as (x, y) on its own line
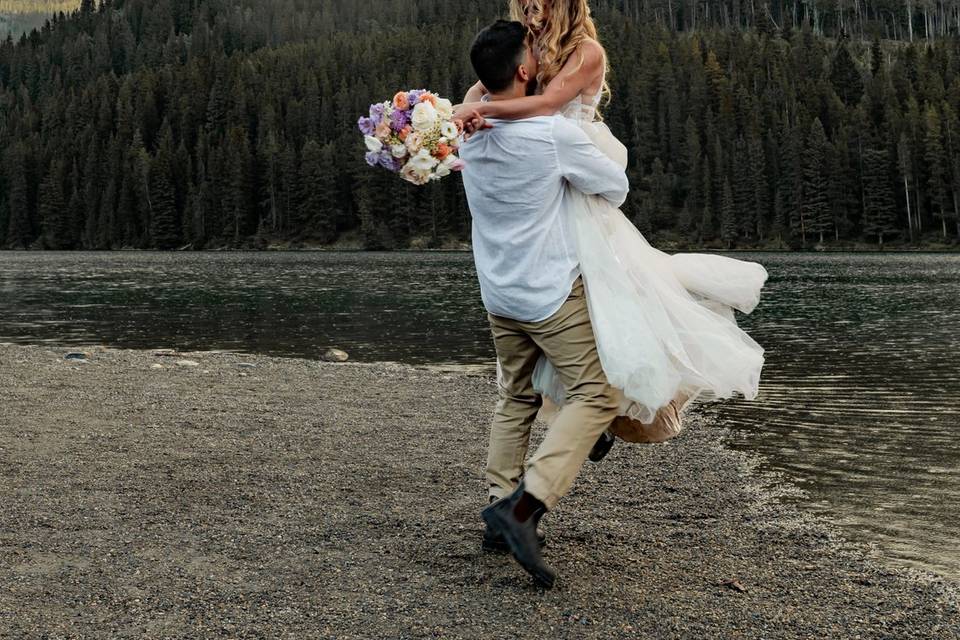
(335, 355)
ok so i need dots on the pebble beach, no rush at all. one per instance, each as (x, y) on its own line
(155, 494)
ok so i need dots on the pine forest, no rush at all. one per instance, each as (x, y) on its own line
(206, 124)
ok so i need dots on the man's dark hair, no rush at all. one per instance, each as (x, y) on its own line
(496, 53)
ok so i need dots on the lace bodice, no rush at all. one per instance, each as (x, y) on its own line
(582, 109)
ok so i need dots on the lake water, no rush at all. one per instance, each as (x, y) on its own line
(860, 402)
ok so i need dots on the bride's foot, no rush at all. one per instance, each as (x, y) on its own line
(602, 447)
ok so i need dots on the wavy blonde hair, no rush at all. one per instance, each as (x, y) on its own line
(559, 33)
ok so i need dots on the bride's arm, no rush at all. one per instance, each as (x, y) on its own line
(574, 79)
(475, 93)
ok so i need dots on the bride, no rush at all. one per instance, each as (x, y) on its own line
(664, 325)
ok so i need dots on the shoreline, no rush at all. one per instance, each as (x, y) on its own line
(299, 498)
(671, 250)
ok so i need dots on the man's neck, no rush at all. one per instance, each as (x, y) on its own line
(508, 94)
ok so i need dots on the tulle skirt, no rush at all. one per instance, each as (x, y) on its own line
(664, 325)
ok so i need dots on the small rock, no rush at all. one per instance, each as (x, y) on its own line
(735, 585)
(188, 363)
(165, 352)
(76, 356)
(246, 365)
(336, 355)
(157, 366)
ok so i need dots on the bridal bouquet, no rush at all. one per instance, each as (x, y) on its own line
(414, 135)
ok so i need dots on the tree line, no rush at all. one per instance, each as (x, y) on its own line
(232, 123)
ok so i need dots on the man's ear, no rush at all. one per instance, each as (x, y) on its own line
(523, 74)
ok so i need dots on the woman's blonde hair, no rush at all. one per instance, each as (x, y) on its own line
(558, 33)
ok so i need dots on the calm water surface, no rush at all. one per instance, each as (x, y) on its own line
(860, 400)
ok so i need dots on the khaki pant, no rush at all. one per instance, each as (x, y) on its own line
(567, 339)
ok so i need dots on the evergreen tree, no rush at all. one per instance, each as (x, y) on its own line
(165, 226)
(238, 189)
(845, 76)
(19, 232)
(790, 183)
(728, 219)
(319, 189)
(53, 209)
(690, 168)
(936, 165)
(879, 213)
(760, 200)
(706, 219)
(816, 211)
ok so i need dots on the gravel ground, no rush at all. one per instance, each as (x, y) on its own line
(299, 499)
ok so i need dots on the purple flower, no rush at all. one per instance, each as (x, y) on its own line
(387, 161)
(373, 159)
(414, 96)
(376, 113)
(366, 126)
(400, 120)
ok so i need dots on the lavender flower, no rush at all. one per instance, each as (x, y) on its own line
(400, 120)
(414, 97)
(376, 113)
(388, 162)
(366, 126)
(373, 158)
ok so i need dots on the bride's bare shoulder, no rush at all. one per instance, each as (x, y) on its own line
(591, 48)
(592, 58)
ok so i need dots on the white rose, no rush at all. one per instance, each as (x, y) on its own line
(413, 175)
(449, 130)
(442, 171)
(398, 150)
(414, 142)
(424, 161)
(424, 116)
(444, 108)
(373, 144)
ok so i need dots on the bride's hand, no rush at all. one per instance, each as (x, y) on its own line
(467, 110)
(470, 122)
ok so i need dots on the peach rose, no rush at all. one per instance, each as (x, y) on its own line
(429, 97)
(443, 151)
(414, 142)
(413, 175)
(404, 133)
(383, 130)
(401, 101)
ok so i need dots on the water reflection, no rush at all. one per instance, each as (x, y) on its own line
(376, 306)
(860, 399)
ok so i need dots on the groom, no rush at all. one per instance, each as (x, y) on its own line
(516, 178)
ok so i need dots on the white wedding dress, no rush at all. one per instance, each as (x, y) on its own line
(664, 325)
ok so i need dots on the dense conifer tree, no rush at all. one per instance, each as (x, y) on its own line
(879, 214)
(936, 165)
(816, 181)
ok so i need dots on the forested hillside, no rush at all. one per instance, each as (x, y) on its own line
(19, 16)
(211, 123)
